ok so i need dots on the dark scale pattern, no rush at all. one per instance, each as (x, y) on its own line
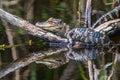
(115, 13)
(87, 54)
(86, 35)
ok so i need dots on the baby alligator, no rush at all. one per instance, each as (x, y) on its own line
(83, 35)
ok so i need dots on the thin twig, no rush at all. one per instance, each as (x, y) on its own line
(90, 69)
(88, 24)
(88, 14)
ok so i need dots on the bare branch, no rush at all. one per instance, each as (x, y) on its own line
(105, 25)
(88, 14)
(90, 69)
(31, 29)
(88, 24)
(28, 59)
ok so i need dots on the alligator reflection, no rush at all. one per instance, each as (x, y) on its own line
(78, 55)
(54, 61)
(83, 54)
(87, 55)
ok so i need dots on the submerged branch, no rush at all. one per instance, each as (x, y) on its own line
(31, 29)
(28, 59)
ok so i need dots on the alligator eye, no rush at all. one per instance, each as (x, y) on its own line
(51, 22)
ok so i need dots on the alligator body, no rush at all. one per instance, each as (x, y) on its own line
(95, 35)
(86, 35)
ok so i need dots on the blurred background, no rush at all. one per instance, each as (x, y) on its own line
(71, 12)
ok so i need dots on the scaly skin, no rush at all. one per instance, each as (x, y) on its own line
(86, 36)
(83, 35)
(113, 14)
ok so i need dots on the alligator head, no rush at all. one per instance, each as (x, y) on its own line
(54, 25)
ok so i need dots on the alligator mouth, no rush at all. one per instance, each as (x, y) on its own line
(48, 25)
(43, 24)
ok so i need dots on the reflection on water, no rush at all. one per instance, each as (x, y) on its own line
(54, 61)
(82, 54)
(85, 54)
(100, 61)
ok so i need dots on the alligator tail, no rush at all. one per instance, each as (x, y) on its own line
(113, 14)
